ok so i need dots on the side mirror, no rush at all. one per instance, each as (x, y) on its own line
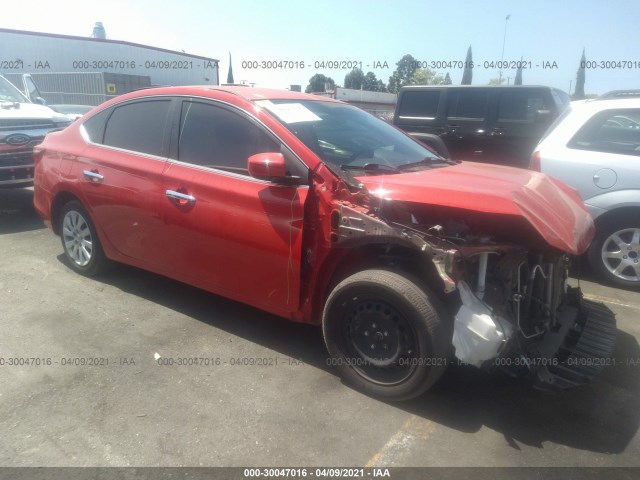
(267, 166)
(40, 100)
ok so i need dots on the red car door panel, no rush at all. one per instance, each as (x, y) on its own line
(240, 236)
(123, 192)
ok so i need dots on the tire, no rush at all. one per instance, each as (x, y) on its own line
(614, 254)
(386, 335)
(80, 240)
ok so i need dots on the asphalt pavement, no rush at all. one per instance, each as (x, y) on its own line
(133, 369)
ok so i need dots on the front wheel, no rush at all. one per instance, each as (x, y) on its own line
(615, 253)
(80, 240)
(386, 335)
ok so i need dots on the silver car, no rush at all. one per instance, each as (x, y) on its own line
(594, 146)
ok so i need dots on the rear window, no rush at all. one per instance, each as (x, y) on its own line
(467, 104)
(94, 127)
(139, 127)
(611, 131)
(520, 105)
(419, 103)
(561, 98)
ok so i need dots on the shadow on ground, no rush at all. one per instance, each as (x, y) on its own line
(602, 417)
(16, 211)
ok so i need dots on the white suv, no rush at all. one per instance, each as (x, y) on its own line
(594, 146)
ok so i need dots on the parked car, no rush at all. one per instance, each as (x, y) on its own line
(22, 126)
(494, 124)
(321, 213)
(595, 148)
(27, 86)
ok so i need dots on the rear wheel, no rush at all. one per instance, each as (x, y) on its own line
(385, 334)
(615, 253)
(80, 240)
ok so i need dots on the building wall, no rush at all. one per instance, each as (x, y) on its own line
(32, 52)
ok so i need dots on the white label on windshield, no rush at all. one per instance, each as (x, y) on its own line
(292, 112)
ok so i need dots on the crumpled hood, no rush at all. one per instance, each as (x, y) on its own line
(551, 207)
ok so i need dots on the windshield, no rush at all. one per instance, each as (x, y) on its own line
(9, 93)
(349, 138)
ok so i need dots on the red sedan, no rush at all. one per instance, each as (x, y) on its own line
(316, 211)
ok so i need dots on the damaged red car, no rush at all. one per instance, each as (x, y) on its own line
(319, 212)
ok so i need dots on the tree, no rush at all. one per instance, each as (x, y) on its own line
(580, 78)
(467, 75)
(372, 84)
(403, 75)
(426, 76)
(230, 72)
(497, 81)
(354, 79)
(518, 79)
(447, 79)
(320, 83)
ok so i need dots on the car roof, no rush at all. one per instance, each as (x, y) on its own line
(472, 87)
(248, 93)
(609, 104)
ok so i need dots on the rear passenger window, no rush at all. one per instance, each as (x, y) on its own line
(612, 131)
(520, 106)
(216, 137)
(467, 104)
(139, 127)
(93, 128)
(419, 103)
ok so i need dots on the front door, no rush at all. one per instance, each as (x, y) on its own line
(226, 231)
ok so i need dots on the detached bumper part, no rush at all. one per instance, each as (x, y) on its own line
(586, 350)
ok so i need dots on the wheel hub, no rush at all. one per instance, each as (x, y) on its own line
(620, 254)
(379, 334)
(77, 238)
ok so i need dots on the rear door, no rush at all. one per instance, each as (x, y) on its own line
(521, 117)
(120, 174)
(465, 131)
(603, 156)
(225, 230)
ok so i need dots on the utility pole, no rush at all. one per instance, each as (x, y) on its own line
(504, 39)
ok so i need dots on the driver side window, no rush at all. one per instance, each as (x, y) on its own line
(216, 137)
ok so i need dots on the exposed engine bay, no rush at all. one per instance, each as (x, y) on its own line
(512, 307)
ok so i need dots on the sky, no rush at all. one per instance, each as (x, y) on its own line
(370, 33)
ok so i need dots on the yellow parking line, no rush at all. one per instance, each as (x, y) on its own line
(414, 429)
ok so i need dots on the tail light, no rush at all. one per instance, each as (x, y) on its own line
(535, 163)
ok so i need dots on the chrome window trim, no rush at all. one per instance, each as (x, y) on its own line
(404, 117)
(85, 137)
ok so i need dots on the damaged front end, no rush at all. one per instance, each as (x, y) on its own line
(519, 315)
(511, 304)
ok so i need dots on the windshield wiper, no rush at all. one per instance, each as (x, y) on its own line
(428, 162)
(371, 167)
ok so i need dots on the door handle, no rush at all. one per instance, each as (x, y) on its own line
(181, 198)
(497, 131)
(92, 176)
(451, 129)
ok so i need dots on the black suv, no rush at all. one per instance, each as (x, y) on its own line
(485, 124)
